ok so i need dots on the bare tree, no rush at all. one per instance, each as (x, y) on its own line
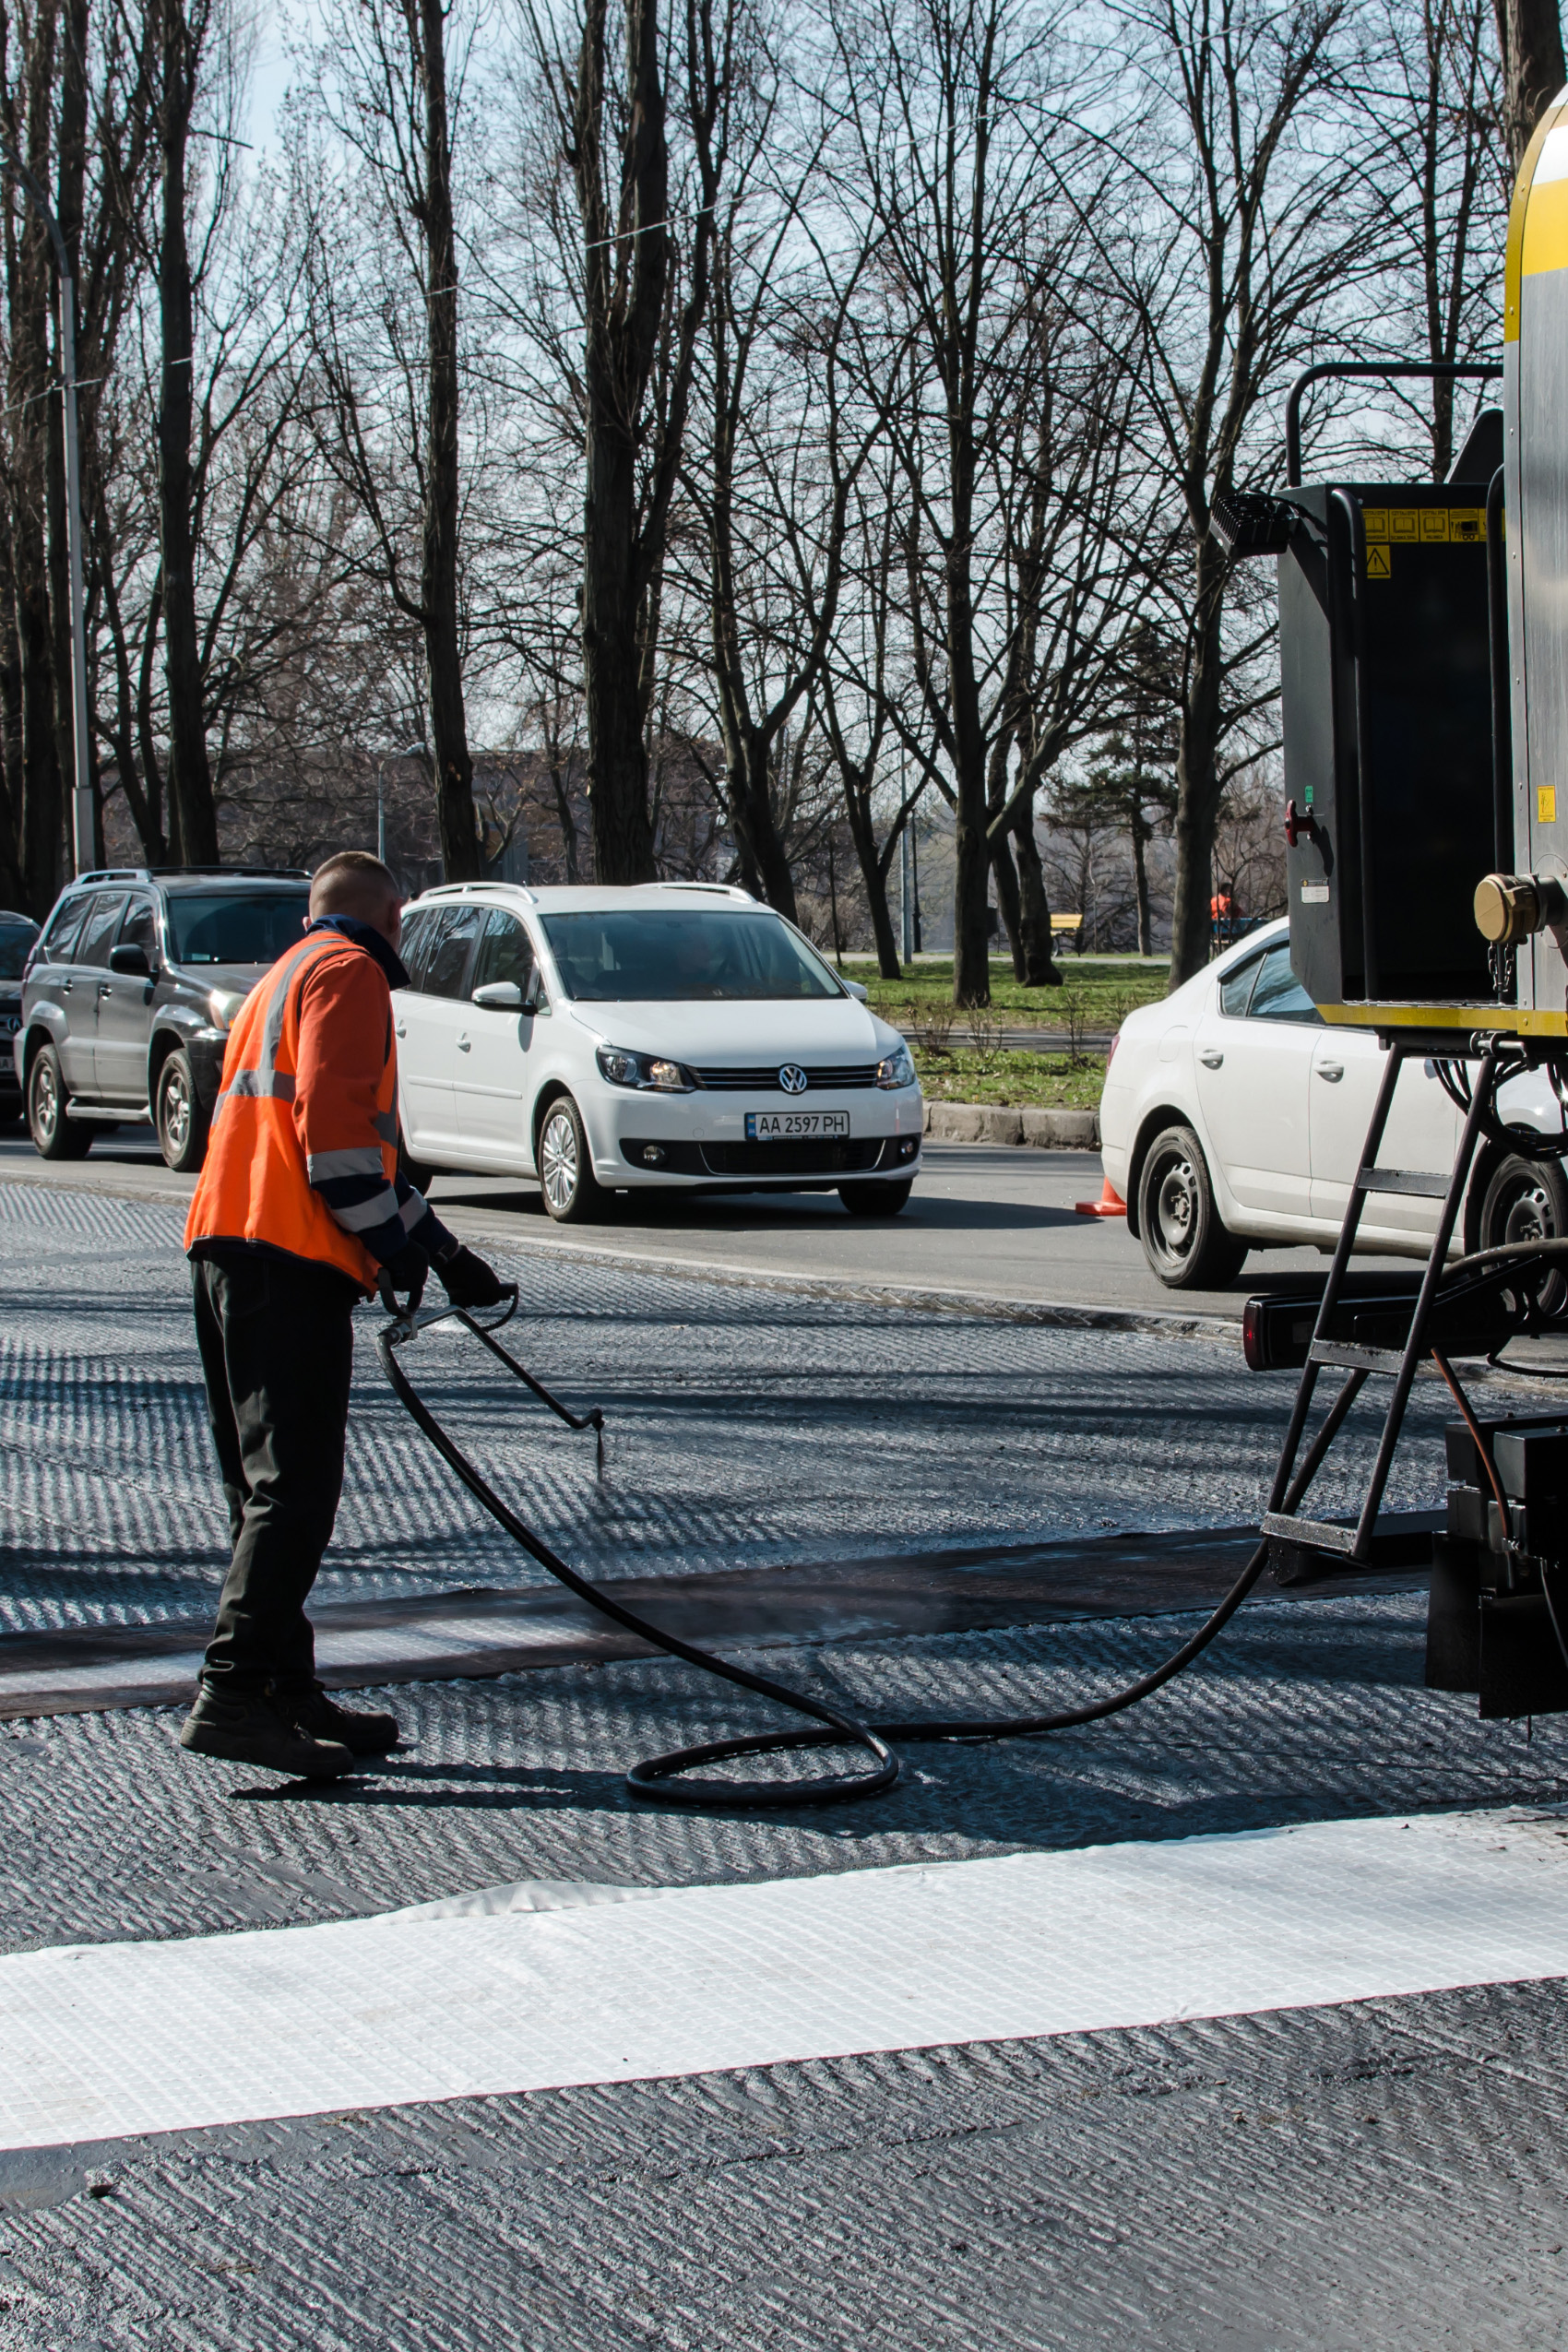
(858, 697)
(642, 290)
(772, 461)
(1250, 215)
(1005, 420)
(1445, 175)
(391, 90)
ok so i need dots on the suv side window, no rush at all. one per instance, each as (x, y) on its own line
(98, 932)
(1279, 994)
(449, 961)
(59, 943)
(506, 953)
(140, 928)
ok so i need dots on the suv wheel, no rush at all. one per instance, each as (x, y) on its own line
(876, 1200)
(1527, 1200)
(178, 1116)
(54, 1135)
(1178, 1225)
(572, 1194)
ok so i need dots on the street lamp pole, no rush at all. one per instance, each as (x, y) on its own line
(407, 752)
(81, 795)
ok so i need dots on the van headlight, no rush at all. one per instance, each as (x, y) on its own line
(648, 1071)
(224, 1003)
(896, 1070)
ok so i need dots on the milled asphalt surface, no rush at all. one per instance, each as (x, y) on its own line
(1386, 2173)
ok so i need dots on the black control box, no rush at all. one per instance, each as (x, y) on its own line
(1385, 673)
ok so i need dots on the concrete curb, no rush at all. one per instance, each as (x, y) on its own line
(981, 1123)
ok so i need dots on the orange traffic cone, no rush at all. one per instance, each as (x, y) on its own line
(1110, 1203)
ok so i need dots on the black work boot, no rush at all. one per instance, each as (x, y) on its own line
(364, 1735)
(262, 1728)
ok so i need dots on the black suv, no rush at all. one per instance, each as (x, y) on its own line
(17, 935)
(128, 994)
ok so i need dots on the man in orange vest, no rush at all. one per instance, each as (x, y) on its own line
(299, 1209)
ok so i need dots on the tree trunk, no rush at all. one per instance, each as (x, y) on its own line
(873, 870)
(1140, 881)
(193, 816)
(68, 213)
(1197, 784)
(42, 807)
(461, 856)
(623, 835)
(1007, 897)
(751, 809)
(1035, 940)
(624, 284)
(565, 818)
(12, 887)
(971, 938)
(1530, 32)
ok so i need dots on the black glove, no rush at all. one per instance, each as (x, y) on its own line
(469, 1282)
(407, 1272)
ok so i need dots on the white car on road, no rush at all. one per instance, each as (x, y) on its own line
(1233, 1118)
(674, 1036)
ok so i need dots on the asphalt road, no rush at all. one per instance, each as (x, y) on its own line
(985, 1220)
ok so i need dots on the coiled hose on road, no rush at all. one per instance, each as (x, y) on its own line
(664, 1778)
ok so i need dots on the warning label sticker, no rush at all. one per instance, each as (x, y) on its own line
(1380, 565)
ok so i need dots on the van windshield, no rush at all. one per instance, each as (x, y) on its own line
(235, 927)
(670, 955)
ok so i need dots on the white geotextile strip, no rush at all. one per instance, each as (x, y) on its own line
(102, 2040)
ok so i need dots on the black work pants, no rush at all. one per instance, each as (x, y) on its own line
(276, 1348)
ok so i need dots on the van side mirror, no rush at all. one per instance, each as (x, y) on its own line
(859, 994)
(501, 996)
(131, 959)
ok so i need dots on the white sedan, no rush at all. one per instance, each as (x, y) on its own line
(1233, 1119)
(674, 1036)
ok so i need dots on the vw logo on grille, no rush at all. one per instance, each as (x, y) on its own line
(792, 1078)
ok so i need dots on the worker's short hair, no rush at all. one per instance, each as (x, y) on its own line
(350, 877)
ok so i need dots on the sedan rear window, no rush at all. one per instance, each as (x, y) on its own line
(235, 927)
(1277, 994)
(673, 956)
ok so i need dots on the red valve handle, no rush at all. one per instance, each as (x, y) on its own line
(1297, 821)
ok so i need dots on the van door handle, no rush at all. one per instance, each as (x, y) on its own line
(1211, 1060)
(105, 989)
(465, 1044)
(1332, 1070)
(402, 1029)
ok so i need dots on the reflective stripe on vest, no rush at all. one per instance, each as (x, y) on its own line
(255, 1182)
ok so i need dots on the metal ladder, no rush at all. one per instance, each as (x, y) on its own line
(1282, 1518)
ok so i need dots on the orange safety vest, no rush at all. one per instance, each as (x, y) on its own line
(281, 1120)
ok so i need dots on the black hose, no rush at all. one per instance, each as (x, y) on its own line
(656, 1778)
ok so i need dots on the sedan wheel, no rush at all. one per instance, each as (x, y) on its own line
(572, 1195)
(1179, 1224)
(1527, 1201)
